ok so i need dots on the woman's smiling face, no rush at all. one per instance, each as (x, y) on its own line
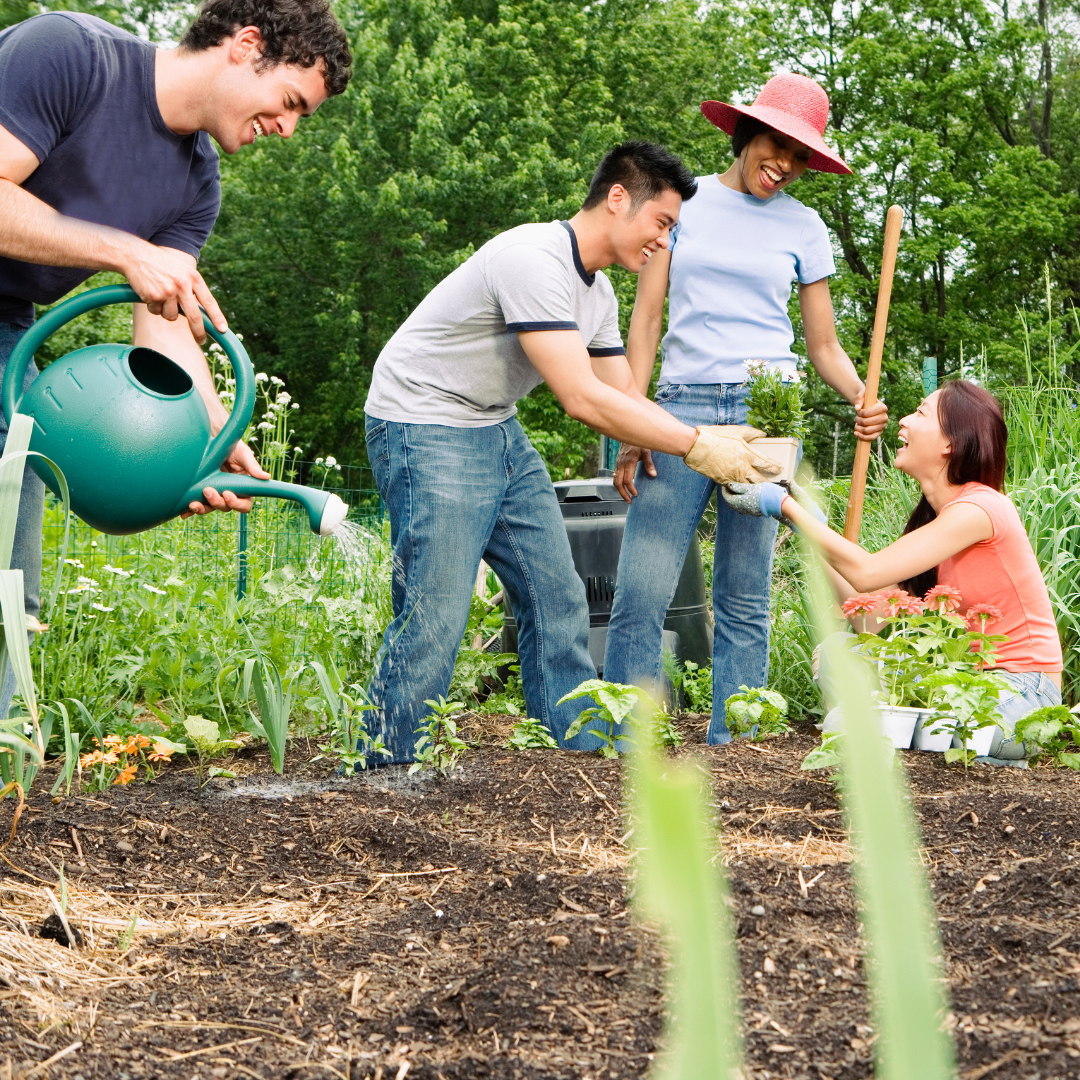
(924, 449)
(769, 162)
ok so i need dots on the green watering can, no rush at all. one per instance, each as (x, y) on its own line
(130, 432)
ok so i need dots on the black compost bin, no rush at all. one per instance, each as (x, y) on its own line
(595, 516)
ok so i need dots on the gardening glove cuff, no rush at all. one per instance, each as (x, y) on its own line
(721, 453)
(758, 500)
(806, 501)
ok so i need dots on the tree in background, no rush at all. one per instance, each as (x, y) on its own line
(467, 117)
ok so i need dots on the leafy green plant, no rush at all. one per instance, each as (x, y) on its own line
(757, 712)
(439, 747)
(965, 701)
(348, 740)
(826, 755)
(275, 697)
(1052, 732)
(206, 737)
(692, 682)
(616, 704)
(529, 734)
(774, 402)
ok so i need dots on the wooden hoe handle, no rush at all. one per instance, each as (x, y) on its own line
(893, 221)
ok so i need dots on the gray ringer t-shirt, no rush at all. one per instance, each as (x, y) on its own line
(456, 359)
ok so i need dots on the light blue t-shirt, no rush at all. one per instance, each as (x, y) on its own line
(734, 259)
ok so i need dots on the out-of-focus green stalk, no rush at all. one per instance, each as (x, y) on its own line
(680, 887)
(906, 982)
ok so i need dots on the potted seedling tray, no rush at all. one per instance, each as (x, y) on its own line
(784, 451)
(935, 736)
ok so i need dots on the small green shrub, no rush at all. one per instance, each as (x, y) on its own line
(529, 734)
(616, 704)
(775, 403)
(439, 747)
(206, 737)
(1051, 732)
(757, 712)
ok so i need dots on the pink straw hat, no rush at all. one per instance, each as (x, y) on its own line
(793, 105)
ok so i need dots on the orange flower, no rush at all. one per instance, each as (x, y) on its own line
(90, 759)
(983, 614)
(943, 598)
(125, 776)
(161, 753)
(111, 758)
(141, 742)
(116, 742)
(862, 604)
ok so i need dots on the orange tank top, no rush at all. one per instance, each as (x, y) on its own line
(1003, 571)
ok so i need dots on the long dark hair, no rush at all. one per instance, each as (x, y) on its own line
(971, 419)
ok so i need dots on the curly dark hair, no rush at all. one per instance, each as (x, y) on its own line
(300, 32)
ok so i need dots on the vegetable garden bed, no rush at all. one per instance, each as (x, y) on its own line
(477, 926)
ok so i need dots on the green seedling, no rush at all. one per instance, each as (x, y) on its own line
(206, 737)
(1051, 732)
(692, 682)
(775, 403)
(127, 935)
(616, 704)
(826, 755)
(757, 712)
(439, 747)
(349, 740)
(530, 734)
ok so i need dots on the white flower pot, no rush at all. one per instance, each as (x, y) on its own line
(925, 739)
(897, 723)
(981, 740)
(785, 452)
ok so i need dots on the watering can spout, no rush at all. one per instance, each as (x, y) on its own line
(325, 510)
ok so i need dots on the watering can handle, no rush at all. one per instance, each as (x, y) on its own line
(51, 321)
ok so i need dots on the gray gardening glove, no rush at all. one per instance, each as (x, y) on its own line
(765, 500)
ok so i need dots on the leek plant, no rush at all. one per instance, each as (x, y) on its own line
(275, 697)
(678, 886)
(22, 741)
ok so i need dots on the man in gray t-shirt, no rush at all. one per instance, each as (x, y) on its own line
(460, 480)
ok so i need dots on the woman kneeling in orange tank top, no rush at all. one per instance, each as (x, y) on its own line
(965, 533)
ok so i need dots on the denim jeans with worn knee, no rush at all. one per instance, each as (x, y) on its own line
(454, 496)
(26, 553)
(659, 526)
(1028, 691)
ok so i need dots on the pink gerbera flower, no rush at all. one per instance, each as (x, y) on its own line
(861, 604)
(896, 599)
(909, 605)
(943, 598)
(983, 614)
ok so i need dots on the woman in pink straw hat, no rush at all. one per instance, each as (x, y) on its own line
(740, 245)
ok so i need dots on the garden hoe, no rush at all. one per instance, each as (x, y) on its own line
(893, 221)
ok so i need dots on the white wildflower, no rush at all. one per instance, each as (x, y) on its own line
(264, 426)
(261, 377)
(93, 543)
(283, 398)
(150, 588)
(331, 462)
(319, 461)
(100, 607)
(117, 571)
(294, 405)
(275, 381)
(755, 368)
(73, 562)
(230, 382)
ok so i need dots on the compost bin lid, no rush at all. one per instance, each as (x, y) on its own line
(599, 489)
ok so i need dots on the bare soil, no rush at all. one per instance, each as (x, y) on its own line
(478, 925)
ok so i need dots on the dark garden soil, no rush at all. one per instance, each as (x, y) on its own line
(477, 926)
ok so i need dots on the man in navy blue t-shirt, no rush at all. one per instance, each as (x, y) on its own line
(106, 163)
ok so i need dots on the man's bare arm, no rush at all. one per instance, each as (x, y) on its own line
(34, 232)
(174, 340)
(561, 358)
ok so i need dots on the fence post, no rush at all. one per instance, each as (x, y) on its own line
(241, 558)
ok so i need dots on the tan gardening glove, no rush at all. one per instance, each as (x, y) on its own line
(721, 453)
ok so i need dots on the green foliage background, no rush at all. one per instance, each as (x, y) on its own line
(466, 117)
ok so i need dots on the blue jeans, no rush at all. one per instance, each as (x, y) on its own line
(659, 526)
(26, 553)
(454, 496)
(1030, 690)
